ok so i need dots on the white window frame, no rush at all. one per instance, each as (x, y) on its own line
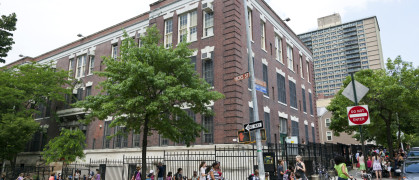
(290, 59)
(301, 67)
(325, 122)
(70, 67)
(80, 68)
(327, 136)
(263, 35)
(278, 48)
(308, 71)
(249, 15)
(208, 29)
(114, 52)
(189, 37)
(168, 36)
(91, 64)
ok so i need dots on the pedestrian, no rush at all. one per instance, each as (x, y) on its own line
(298, 177)
(3, 176)
(20, 177)
(361, 161)
(160, 171)
(376, 165)
(289, 174)
(369, 162)
(84, 177)
(137, 174)
(59, 176)
(300, 167)
(254, 176)
(150, 175)
(76, 175)
(202, 174)
(280, 170)
(178, 175)
(215, 172)
(195, 176)
(340, 167)
(97, 176)
(52, 176)
(169, 176)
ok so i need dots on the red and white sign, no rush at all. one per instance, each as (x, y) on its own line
(241, 77)
(358, 115)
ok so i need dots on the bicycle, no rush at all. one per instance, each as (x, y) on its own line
(323, 173)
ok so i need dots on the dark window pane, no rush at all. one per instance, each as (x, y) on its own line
(281, 89)
(293, 94)
(268, 127)
(310, 100)
(304, 100)
(208, 124)
(265, 78)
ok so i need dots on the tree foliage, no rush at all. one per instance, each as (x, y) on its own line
(7, 25)
(66, 148)
(146, 89)
(392, 91)
(23, 89)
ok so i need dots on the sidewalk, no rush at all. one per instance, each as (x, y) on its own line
(357, 175)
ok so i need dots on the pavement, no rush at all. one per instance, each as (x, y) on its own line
(357, 175)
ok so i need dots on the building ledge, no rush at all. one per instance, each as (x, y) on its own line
(71, 111)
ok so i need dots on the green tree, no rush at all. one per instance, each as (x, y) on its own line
(145, 89)
(7, 25)
(66, 148)
(393, 91)
(23, 90)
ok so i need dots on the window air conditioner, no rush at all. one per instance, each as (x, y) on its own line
(206, 56)
(207, 7)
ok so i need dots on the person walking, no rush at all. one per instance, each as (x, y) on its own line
(137, 174)
(254, 176)
(300, 167)
(169, 176)
(340, 167)
(361, 161)
(52, 176)
(178, 175)
(202, 174)
(20, 177)
(97, 176)
(160, 171)
(280, 170)
(3, 176)
(215, 172)
(77, 175)
(376, 165)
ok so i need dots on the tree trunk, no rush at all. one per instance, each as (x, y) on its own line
(389, 136)
(144, 150)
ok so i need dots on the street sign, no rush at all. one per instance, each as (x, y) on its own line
(358, 115)
(261, 88)
(253, 126)
(361, 91)
(292, 140)
(241, 77)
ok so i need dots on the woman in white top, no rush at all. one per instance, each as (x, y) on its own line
(202, 175)
(376, 166)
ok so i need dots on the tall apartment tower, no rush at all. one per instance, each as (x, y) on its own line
(339, 49)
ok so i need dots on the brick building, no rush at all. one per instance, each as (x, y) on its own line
(216, 29)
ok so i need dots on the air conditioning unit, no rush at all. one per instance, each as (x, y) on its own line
(207, 7)
(206, 56)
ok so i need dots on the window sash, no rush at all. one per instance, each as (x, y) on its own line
(283, 125)
(306, 130)
(295, 129)
(293, 94)
(282, 95)
(304, 100)
(313, 134)
(208, 123)
(278, 46)
(268, 127)
(308, 71)
(290, 57)
(265, 78)
(301, 67)
(209, 71)
(188, 22)
(311, 103)
(329, 135)
(114, 50)
(249, 13)
(208, 24)
(168, 33)
(91, 64)
(263, 40)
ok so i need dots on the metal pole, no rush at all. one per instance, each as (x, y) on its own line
(360, 126)
(254, 98)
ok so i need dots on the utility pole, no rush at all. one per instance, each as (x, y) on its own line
(360, 126)
(254, 98)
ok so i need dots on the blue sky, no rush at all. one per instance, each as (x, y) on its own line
(44, 25)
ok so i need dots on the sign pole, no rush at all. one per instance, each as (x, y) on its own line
(360, 126)
(254, 98)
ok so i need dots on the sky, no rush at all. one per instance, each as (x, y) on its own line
(44, 25)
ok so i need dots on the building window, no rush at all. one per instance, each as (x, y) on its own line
(191, 114)
(306, 130)
(208, 69)
(290, 57)
(248, 69)
(114, 50)
(164, 141)
(329, 135)
(136, 139)
(249, 16)
(208, 123)
(283, 125)
(188, 23)
(265, 78)
(79, 94)
(263, 35)
(295, 129)
(94, 143)
(193, 61)
(81, 64)
(71, 68)
(107, 141)
(313, 134)
(268, 127)
(88, 91)
(308, 71)
(91, 64)
(208, 24)
(301, 67)
(168, 32)
(310, 100)
(304, 100)
(250, 114)
(282, 96)
(121, 140)
(328, 122)
(278, 48)
(293, 94)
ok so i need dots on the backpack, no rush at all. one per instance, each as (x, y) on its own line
(250, 177)
(177, 177)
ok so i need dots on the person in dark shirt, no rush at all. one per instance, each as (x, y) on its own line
(280, 170)
(160, 171)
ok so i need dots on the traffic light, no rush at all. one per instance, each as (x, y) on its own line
(263, 134)
(243, 136)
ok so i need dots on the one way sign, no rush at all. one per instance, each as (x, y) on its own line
(253, 126)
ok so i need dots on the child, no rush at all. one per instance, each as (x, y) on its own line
(169, 176)
(195, 175)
